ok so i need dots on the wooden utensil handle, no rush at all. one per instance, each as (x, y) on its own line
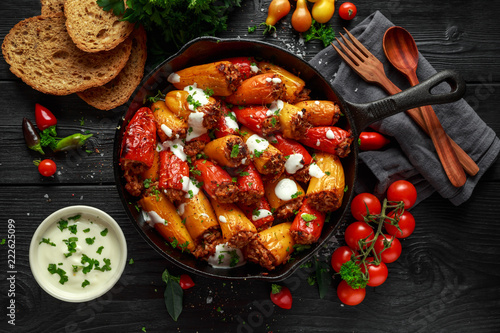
(465, 160)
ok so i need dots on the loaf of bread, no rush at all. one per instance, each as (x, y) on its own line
(50, 7)
(118, 91)
(42, 54)
(93, 29)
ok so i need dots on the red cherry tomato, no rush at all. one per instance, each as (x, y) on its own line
(44, 118)
(357, 231)
(186, 282)
(390, 254)
(347, 11)
(47, 168)
(281, 296)
(372, 141)
(350, 296)
(402, 190)
(406, 224)
(340, 256)
(362, 202)
(377, 273)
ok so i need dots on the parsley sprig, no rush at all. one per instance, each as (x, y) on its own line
(355, 271)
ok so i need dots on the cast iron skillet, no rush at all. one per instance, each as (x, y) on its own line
(357, 117)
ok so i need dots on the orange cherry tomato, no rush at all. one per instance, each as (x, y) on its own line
(301, 18)
(323, 10)
(276, 11)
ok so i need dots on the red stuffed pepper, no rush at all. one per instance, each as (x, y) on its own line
(250, 185)
(307, 225)
(295, 165)
(174, 175)
(260, 214)
(138, 148)
(329, 139)
(216, 181)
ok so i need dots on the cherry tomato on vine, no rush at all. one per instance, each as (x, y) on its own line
(406, 224)
(186, 282)
(390, 254)
(372, 141)
(281, 296)
(350, 296)
(363, 201)
(301, 18)
(347, 11)
(47, 168)
(377, 273)
(402, 190)
(357, 231)
(340, 256)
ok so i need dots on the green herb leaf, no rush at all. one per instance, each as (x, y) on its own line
(320, 31)
(117, 6)
(53, 269)
(308, 217)
(173, 295)
(323, 277)
(47, 241)
(99, 250)
(235, 151)
(351, 273)
(104, 232)
(85, 283)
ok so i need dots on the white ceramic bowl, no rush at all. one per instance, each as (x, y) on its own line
(53, 252)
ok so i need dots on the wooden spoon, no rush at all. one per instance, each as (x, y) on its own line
(401, 50)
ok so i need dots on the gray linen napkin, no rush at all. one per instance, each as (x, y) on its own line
(415, 159)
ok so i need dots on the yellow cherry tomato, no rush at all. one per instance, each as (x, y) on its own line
(301, 18)
(323, 10)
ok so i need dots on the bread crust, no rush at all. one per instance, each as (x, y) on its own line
(50, 7)
(118, 91)
(93, 29)
(41, 53)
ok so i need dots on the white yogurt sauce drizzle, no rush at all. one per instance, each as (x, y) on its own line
(275, 108)
(285, 189)
(256, 143)
(261, 213)
(177, 147)
(226, 257)
(315, 171)
(294, 163)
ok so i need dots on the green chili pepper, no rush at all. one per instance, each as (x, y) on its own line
(70, 142)
(31, 136)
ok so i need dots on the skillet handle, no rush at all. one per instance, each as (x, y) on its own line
(419, 95)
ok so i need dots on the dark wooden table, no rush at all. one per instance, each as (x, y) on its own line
(447, 279)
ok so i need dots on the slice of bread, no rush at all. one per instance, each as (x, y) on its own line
(118, 91)
(93, 29)
(41, 53)
(50, 7)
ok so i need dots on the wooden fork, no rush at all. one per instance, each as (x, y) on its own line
(371, 70)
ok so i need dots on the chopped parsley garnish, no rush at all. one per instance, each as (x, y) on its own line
(46, 241)
(85, 283)
(73, 228)
(62, 273)
(71, 243)
(243, 173)
(86, 230)
(104, 232)
(308, 217)
(91, 263)
(63, 224)
(99, 250)
(147, 182)
(296, 195)
(257, 153)
(327, 173)
(131, 261)
(89, 240)
(74, 218)
(221, 258)
(208, 91)
(235, 151)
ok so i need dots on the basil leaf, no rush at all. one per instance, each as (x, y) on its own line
(173, 295)
(323, 277)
